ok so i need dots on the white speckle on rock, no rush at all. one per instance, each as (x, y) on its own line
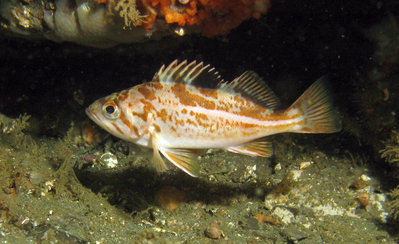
(284, 215)
(295, 174)
(277, 167)
(365, 177)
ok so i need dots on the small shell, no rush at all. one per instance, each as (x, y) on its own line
(363, 200)
(304, 165)
(109, 160)
(359, 184)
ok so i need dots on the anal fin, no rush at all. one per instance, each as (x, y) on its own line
(257, 148)
(184, 159)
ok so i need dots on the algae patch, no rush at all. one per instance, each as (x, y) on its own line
(41, 197)
(391, 154)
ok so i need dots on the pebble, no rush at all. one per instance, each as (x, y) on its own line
(213, 231)
(170, 197)
(359, 184)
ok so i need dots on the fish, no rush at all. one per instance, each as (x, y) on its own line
(187, 107)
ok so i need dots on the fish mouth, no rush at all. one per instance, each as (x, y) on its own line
(95, 118)
(92, 115)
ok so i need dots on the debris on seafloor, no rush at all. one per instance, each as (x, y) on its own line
(261, 218)
(106, 23)
(288, 183)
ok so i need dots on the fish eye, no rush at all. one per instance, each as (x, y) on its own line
(111, 111)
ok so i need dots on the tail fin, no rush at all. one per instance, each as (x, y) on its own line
(316, 109)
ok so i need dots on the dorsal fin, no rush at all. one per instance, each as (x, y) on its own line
(192, 73)
(251, 86)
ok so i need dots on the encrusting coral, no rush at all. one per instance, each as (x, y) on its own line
(212, 17)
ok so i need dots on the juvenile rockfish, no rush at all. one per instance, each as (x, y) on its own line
(175, 116)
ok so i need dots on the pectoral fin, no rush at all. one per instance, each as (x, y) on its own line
(184, 159)
(260, 148)
(157, 160)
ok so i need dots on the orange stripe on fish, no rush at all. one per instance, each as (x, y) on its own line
(176, 115)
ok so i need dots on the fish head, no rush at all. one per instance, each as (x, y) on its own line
(115, 114)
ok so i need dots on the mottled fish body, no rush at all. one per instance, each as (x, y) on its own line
(175, 116)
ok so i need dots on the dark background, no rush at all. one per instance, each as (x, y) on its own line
(295, 40)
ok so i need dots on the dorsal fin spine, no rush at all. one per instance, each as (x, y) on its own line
(174, 69)
(189, 73)
(169, 71)
(178, 71)
(189, 66)
(163, 71)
